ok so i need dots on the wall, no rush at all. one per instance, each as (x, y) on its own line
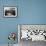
(29, 12)
(7, 25)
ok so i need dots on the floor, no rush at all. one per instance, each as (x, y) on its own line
(32, 43)
(28, 43)
(7, 45)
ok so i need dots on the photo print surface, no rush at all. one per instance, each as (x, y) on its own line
(33, 32)
(10, 11)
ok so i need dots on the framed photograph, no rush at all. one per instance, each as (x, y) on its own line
(10, 11)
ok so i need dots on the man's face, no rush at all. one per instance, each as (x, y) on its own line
(9, 14)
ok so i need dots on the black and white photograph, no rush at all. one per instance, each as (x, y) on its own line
(33, 32)
(10, 11)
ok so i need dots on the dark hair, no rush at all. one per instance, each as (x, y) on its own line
(10, 11)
